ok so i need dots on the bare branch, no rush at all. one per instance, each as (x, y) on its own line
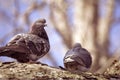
(63, 27)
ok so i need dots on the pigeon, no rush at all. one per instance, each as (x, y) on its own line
(28, 47)
(77, 59)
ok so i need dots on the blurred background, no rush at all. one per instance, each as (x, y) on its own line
(93, 23)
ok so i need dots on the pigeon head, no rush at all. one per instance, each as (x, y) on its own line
(40, 22)
(76, 45)
(38, 26)
(38, 29)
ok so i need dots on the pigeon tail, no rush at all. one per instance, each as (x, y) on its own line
(5, 52)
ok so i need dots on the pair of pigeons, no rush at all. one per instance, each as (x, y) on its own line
(31, 46)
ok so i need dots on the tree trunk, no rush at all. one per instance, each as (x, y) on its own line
(26, 71)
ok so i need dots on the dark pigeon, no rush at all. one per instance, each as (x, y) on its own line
(30, 46)
(77, 59)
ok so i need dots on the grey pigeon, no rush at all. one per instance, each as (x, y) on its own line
(28, 47)
(77, 59)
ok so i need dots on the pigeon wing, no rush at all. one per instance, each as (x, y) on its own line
(84, 56)
(18, 44)
(78, 59)
(37, 45)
